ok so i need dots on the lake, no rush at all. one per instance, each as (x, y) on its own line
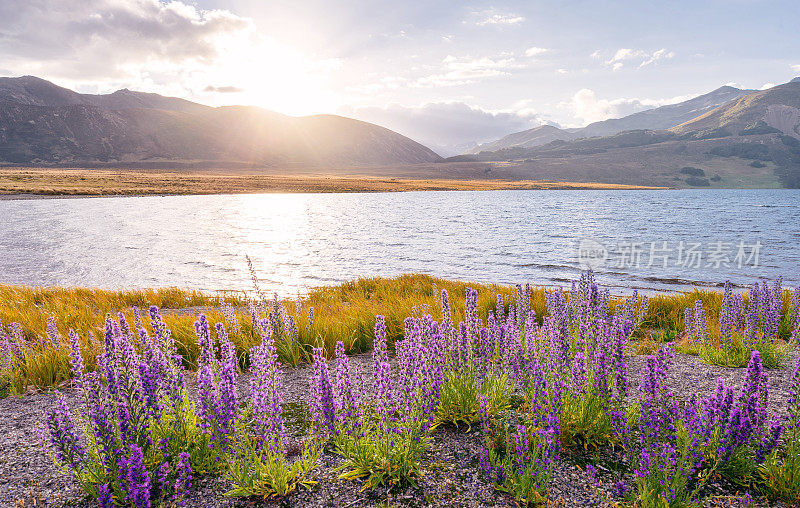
(651, 240)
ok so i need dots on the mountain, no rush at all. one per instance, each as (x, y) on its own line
(751, 141)
(527, 139)
(46, 124)
(776, 109)
(665, 117)
(660, 118)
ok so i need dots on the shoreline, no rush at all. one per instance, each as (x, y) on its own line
(44, 183)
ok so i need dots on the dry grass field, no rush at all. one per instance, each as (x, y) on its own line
(109, 182)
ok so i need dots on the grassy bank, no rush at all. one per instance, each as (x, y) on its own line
(105, 182)
(344, 312)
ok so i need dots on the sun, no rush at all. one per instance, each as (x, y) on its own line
(274, 76)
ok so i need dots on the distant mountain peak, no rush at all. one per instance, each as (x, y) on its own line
(725, 88)
(795, 80)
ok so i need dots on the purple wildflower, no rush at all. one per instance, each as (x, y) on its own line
(183, 480)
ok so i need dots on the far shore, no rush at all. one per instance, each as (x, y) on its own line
(36, 183)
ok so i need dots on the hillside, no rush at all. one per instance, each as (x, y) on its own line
(46, 124)
(777, 108)
(660, 118)
(753, 141)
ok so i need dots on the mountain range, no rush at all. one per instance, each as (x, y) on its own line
(41, 123)
(726, 138)
(663, 117)
(733, 138)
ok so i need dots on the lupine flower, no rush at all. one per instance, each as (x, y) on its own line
(579, 373)
(323, 412)
(183, 480)
(769, 442)
(230, 316)
(483, 417)
(163, 478)
(228, 395)
(52, 333)
(266, 391)
(345, 405)
(105, 497)
(793, 402)
(63, 436)
(521, 448)
(75, 358)
(207, 400)
(136, 478)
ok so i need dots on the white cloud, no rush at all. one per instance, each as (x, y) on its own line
(656, 56)
(79, 39)
(461, 71)
(450, 127)
(596, 54)
(172, 48)
(796, 67)
(534, 51)
(562, 71)
(766, 86)
(223, 89)
(491, 17)
(624, 55)
(586, 107)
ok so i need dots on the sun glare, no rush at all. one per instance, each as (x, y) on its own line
(273, 76)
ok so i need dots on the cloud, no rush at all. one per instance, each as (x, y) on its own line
(449, 127)
(596, 54)
(796, 67)
(588, 108)
(168, 47)
(656, 56)
(624, 55)
(534, 51)
(105, 38)
(491, 17)
(766, 86)
(223, 89)
(458, 71)
(562, 71)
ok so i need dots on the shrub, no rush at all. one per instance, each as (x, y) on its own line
(689, 170)
(695, 181)
(757, 128)
(755, 151)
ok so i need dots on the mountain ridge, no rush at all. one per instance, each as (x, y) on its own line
(43, 123)
(660, 118)
(753, 140)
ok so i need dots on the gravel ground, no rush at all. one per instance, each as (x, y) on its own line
(29, 478)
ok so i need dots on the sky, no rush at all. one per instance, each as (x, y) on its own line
(449, 74)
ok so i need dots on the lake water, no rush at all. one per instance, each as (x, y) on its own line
(297, 241)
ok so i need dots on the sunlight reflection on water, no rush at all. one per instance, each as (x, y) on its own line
(297, 241)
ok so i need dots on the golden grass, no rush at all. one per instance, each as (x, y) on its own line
(344, 312)
(106, 182)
